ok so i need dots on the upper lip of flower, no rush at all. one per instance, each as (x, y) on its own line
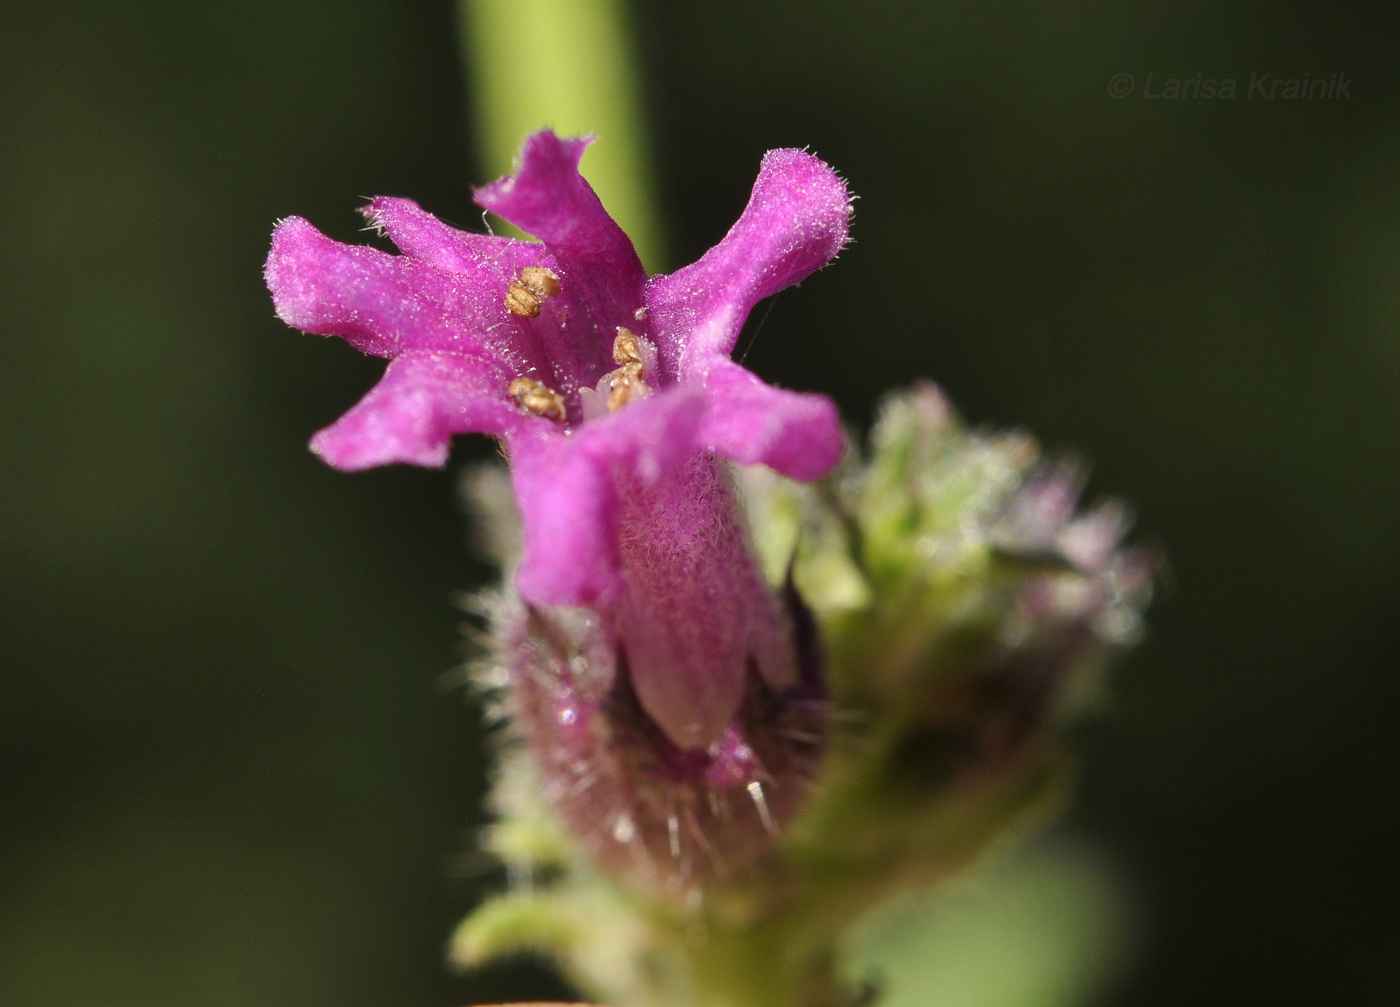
(462, 359)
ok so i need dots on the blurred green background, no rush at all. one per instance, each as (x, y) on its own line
(230, 772)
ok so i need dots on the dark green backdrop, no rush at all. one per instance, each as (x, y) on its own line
(230, 775)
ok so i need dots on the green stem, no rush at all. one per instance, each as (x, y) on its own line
(568, 65)
(759, 968)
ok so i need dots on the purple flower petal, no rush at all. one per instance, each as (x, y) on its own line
(412, 413)
(797, 219)
(697, 612)
(567, 489)
(379, 303)
(550, 199)
(475, 258)
(539, 347)
(795, 433)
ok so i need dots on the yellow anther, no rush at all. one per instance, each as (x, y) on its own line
(626, 382)
(524, 295)
(538, 398)
(627, 348)
(542, 281)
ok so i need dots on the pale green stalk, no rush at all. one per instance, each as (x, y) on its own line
(568, 65)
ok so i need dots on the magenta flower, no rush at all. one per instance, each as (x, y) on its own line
(613, 394)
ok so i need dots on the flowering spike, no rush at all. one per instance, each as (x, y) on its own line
(673, 704)
(966, 607)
